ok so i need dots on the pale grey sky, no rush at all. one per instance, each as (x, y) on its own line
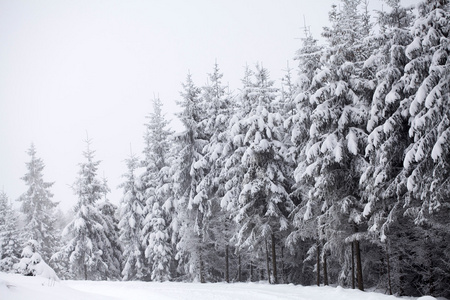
(67, 67)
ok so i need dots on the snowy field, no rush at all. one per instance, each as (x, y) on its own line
(18, 287)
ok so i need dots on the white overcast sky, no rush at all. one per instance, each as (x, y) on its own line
(71, 67)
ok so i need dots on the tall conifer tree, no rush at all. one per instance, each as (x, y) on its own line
(157, 231)
(86, 233)
(38, 207)
(9, 235)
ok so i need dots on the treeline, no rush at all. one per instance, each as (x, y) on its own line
(339, 177)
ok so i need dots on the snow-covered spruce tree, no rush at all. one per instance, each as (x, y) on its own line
(25, 266)
(427, 160)
(9, 235)
(131, 214)
(38, 207)
(216, 227)
(232, 173)
(287, 106)
(383, 183)
(157, 231)
(334, 153)
(298, 125)
(86, 233)
(32, 264)
(59, 261)
(159, 248)
(189, 173)
(263, 200)
(113, 253)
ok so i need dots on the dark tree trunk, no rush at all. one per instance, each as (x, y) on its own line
(252, 275)
(318, 264)
(325, 271)
(359, 274)
(274, 261)
(227, 266)
(282, 266)
(388, 270)
(353, 265)
(201, 266)
(239, 268)
(267, 262)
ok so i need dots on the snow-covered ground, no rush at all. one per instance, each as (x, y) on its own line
(18, 287)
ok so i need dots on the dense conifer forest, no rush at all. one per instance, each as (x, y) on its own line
(340, 176)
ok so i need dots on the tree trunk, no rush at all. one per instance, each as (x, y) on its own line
(274, 261)
(202, 278)
(359, 274)
(267, 262)
(325, 271)
(85, 267)
(388, 270)
(282, 266)
(318, 264)
(85, 272)
(227, 267)
(353, 266)
(239, 268)
(251, 271)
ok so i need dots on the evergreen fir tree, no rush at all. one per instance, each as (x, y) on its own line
(9, 235)
(86, 233)
(157, 232)
(427, 159)
(113, 250)
(217, 105)
(340, 94)
(190, 164)
(298, 125)
(131, 224)
(38, 207)
(263, 200)
(383, 183)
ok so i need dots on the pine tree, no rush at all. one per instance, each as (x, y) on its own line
(9, 235)
(189, 164)
(383, 183)
(263, 200)
(157, 232)
(340, 94)
(131, 224)
(59, 261)
(38, 207)
(302, 238)
(216, 234)
(232, 171)
(112, 253)
(427, 158)
(86, 233)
